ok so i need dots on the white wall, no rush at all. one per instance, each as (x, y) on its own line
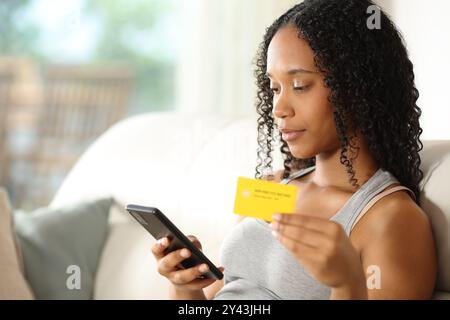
(221, 38)
(426, 31)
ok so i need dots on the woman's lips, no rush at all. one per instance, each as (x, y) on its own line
(292, 135)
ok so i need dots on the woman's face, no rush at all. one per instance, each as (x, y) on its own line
(300, 97)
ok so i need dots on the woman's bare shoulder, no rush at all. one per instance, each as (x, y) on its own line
(396, 210)
(392, 213)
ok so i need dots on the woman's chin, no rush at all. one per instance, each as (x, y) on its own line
(300, 152)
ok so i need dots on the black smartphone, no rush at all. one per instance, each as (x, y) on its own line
(159, 226)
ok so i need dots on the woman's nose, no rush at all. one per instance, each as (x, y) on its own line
(281, 107)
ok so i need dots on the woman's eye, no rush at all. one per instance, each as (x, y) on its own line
(296, 88)
(274, 90)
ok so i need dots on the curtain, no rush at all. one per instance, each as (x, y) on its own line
(216, 62)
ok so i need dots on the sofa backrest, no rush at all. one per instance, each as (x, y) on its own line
(188, 165)
(435, 201)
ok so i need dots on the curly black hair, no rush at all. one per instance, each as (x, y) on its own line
(371, 81)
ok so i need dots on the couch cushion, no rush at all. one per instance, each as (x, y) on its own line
(127, 268)
(12, 282)
(61, 247)
(435, 201)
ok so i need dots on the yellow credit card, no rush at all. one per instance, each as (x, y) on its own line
(261, 199)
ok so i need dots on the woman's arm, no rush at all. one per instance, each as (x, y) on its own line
(397, 245)
(394, 241)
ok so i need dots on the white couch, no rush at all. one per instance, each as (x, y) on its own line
(187, 165)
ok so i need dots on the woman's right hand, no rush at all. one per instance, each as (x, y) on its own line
(182, 279)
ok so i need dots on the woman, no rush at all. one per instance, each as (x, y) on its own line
(343, 97)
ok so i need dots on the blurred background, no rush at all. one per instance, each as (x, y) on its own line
(71, 69)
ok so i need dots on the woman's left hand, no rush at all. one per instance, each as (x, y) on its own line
(323, 248)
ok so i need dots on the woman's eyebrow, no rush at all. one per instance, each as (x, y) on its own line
(293, 72)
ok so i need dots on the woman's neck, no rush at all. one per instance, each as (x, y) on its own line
(330, 172)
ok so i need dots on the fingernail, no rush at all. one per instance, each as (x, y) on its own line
(274, 233)
(163, 242)
(185, 253)
(203, 268)
(274, 225)
(276, 216)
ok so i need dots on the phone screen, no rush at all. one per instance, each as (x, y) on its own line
(159, 226)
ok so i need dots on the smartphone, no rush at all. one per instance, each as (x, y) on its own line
(159, 226)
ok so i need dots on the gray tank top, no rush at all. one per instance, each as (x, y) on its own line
(258, 267)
